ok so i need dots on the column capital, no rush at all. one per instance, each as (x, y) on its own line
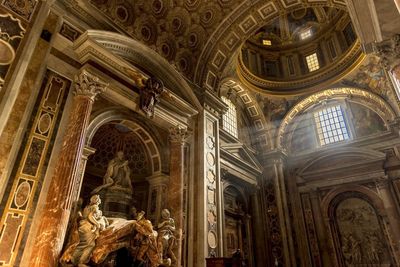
(89, 85)
(275, 156)
(178, 134)
(382, 182)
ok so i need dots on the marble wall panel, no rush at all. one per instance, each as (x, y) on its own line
(29, 170)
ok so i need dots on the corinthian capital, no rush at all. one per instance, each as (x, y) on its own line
(88, 84)
(178, 134)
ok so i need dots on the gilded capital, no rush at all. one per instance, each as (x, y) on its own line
(178, 134)
(88, 84)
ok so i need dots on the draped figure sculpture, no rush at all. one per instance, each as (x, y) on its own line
(166, 238)
(91, 223)
(117, 174)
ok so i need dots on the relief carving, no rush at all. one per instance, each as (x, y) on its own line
(362, 241)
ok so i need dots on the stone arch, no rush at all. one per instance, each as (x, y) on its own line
(145, 135)
(138, 54)
(229, 36)
(364, 97)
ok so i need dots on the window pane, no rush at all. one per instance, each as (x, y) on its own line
(330, 124)
(229, 119)
(312, 62)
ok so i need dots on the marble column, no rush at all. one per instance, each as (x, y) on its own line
(87, 151)
(55, 215)
(176, 185)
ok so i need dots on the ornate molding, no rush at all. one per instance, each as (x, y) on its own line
(89, 85)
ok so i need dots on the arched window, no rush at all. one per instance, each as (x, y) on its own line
(229, 119)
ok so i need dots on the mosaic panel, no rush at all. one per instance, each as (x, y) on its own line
(29, 170)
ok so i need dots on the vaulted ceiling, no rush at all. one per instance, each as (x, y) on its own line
(199, 37)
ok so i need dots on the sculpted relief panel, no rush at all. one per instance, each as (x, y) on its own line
(362, 241)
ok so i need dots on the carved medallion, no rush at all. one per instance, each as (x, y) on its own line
(44, 123)
(22, 194)
(210, 159)
(212, 239)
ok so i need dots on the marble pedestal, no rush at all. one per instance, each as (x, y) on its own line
(117, 202)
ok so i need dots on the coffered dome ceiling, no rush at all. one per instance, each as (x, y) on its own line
(200, 37)
(300, 49)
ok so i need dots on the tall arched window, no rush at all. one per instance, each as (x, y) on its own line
(229, 119)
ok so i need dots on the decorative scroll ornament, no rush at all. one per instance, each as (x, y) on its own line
(178, 134)
(388, 51)
(88, 85)
(150, 95)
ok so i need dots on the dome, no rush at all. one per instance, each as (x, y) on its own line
(300, 49)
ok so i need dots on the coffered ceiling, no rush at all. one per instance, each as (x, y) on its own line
(199, 37)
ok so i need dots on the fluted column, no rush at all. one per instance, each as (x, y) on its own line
(55, 215)
(176, 185)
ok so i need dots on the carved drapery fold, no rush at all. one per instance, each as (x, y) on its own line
(49, 240)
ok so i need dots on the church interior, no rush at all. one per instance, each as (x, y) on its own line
(193, 133)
